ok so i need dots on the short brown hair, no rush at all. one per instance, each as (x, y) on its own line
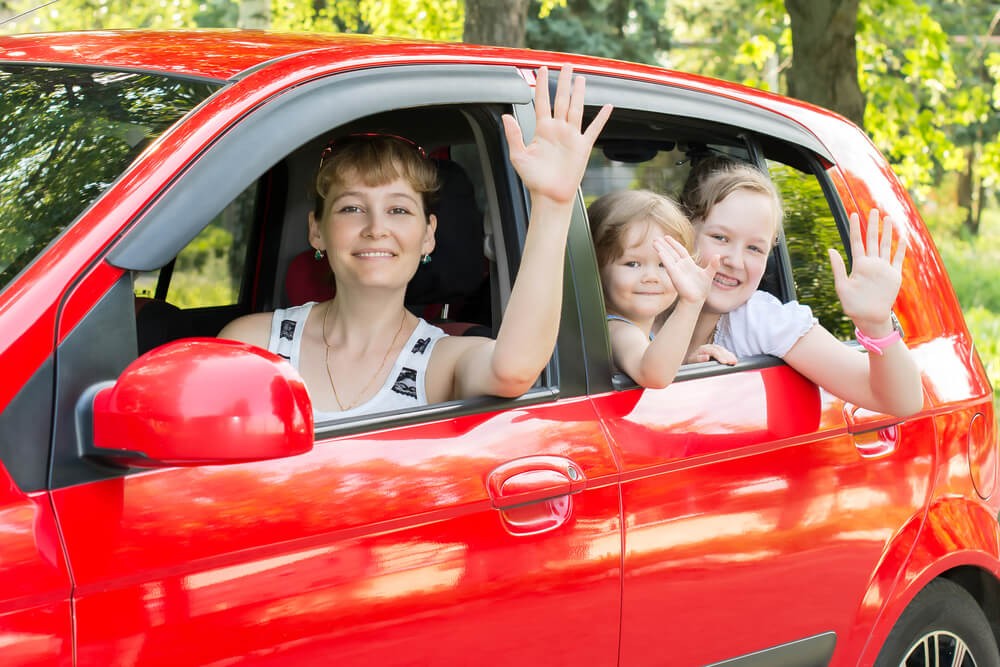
(714, 179)
(375, 159)
(611, 214)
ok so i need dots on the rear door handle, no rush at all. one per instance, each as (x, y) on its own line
(875, 434)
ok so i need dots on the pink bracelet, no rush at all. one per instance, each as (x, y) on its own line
(877, 345)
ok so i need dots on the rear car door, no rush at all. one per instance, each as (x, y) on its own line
(485, 530)
(762, 515)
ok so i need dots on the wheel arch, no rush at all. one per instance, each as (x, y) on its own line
(975, 567)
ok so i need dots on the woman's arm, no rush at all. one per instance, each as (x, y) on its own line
(551, 167)
(254, 329)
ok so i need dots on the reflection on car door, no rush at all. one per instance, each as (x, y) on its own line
(35, 625)
(386, 548)
(752, 518)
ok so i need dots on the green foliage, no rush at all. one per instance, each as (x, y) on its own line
(633, 30)
(67, 135)
(810, 229)
(929, 96)
(970, 263)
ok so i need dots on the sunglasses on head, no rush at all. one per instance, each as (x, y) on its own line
(358, 137)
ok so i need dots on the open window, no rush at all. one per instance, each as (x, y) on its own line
(650, 143)
(231, 237)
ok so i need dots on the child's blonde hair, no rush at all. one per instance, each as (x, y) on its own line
(611, 214)
(714, 179)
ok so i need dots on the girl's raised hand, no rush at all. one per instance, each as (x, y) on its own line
(867, 294)
(691, 281)
(552, 165)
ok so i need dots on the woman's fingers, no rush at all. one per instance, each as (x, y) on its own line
(564, 90)
(542, 108)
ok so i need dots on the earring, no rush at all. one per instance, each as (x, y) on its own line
(426, 259)
(318, 255)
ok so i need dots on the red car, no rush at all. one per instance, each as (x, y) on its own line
(165, 498)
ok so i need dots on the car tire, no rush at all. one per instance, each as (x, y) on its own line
(941, 621)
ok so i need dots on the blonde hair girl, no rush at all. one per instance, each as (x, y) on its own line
(736, 212)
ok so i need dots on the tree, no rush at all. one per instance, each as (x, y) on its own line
(916, 112)
(825, 65)
(495, 23)
(634, 30)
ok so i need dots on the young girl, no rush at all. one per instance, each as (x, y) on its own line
(362, 351)
(643, 241)
(737, 214)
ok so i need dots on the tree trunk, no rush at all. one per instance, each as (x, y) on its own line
(969, 193)
(824, 67)
(255, 14)
(495, 23)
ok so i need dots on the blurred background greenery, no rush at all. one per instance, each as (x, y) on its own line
(922, 77)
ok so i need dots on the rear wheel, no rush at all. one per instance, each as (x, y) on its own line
(942, 627)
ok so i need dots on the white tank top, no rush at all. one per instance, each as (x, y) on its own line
(404, 386)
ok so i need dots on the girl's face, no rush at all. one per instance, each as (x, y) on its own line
(374, 236)
(636, 286)
(740, 229)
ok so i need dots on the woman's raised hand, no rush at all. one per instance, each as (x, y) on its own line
(552, 165)
(692, 282)
(867, 294)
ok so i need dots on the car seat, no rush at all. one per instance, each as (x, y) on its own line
(443, 291)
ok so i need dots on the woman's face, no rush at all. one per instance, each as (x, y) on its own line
(740, 229)
(374, 236)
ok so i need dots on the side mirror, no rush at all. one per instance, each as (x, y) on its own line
(198, 401)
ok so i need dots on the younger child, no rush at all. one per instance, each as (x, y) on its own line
(737, 212)
(643, 241)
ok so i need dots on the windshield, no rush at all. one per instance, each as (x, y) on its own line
(66, 135)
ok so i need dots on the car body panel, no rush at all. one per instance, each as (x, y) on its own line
(375, 547)
(35, 587)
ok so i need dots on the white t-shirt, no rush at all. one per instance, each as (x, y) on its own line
(764, 325)
(404, 386)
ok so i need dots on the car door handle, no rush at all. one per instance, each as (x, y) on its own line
(875, 434)
(532, 479)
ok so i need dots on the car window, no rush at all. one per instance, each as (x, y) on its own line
(461, 290)
(210, 270)
(640, 150)
(810, 228)
(67, 134)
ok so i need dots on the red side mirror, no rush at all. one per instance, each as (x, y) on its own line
(202, 401)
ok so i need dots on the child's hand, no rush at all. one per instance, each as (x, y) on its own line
(691, 281)
(867, 294)
(552, 165)
(709, 352)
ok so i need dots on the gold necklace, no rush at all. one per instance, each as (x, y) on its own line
(378, 371)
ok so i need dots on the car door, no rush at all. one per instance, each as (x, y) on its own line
(762, 515)
(484, 531)
(35, 621)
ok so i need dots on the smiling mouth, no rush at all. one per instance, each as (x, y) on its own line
(725, 281)
(375, 253)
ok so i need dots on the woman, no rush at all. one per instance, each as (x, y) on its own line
(362, 351)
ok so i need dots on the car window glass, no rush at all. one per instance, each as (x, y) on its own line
(210, 270)
(67, 134)
(810, 229)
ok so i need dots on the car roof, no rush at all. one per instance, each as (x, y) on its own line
(232, 54)
(217, 54)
